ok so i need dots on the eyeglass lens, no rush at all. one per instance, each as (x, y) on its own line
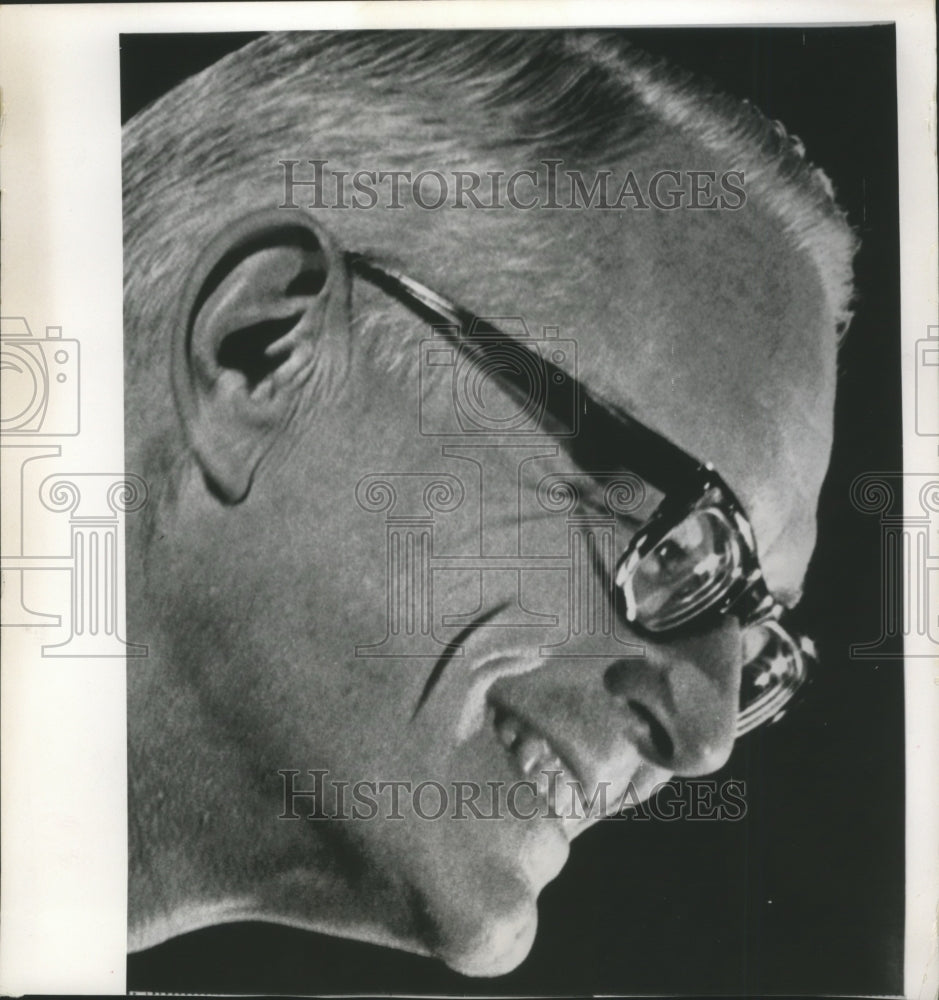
(687, 571)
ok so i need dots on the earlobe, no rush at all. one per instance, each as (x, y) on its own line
(266, 299)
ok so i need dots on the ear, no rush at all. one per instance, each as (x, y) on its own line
(257, 313)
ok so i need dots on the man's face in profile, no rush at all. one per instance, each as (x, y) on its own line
(707, 328)
(390, 680)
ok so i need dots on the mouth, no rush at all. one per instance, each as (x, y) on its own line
(533, 756)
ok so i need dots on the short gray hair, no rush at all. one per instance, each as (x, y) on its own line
(211, 147)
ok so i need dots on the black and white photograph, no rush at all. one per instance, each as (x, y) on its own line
(518, 569)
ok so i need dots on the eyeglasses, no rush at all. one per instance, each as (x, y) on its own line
(695, 559)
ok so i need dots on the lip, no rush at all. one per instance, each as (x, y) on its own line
(577, 770)
(499, 707)
(572, 769)
(478, 701)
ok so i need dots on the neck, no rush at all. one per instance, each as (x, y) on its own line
(206, 846)
(170, 891)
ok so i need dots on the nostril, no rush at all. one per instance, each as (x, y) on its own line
(662, 745)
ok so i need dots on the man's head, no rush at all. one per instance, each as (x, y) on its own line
(300, 616)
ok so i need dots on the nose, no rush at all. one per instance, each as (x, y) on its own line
(681, 699)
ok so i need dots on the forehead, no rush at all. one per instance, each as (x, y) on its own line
(711, 328)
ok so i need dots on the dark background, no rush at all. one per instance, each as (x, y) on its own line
(806, 894)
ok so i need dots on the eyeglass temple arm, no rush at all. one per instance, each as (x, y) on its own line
(606, 439)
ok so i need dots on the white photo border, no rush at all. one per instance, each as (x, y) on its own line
(64, 846)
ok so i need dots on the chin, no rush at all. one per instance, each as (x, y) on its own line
(479, 926)
(498, 948)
